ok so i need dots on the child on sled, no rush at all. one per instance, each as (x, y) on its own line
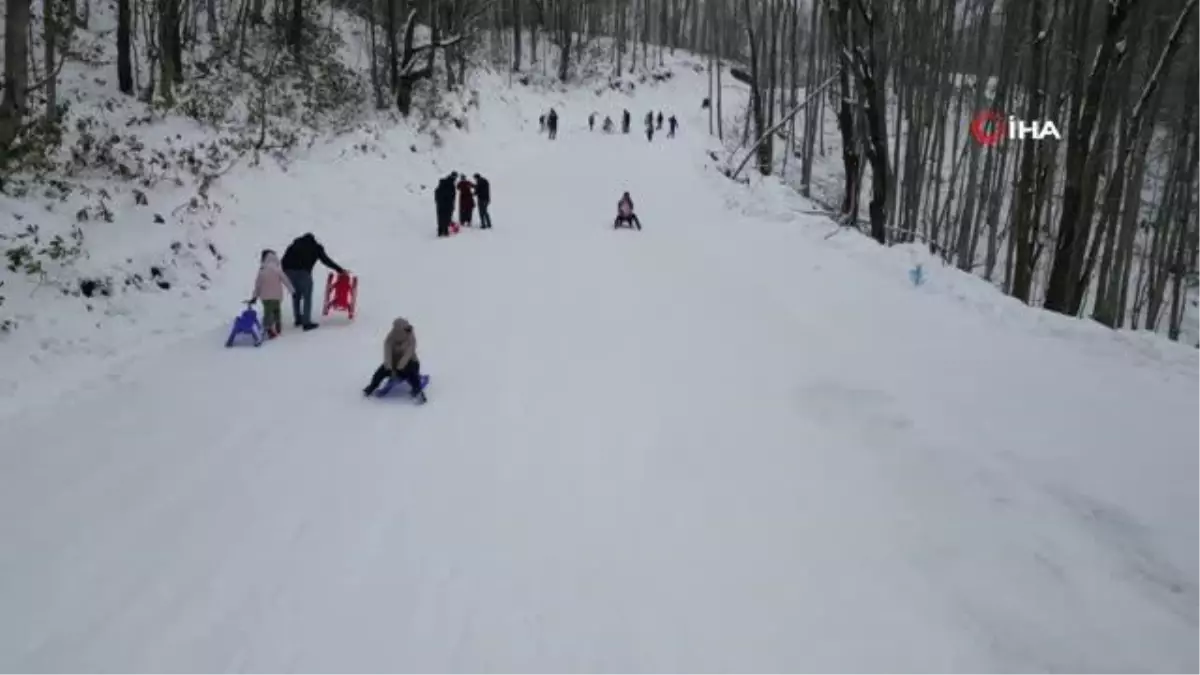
(399, 360)
(625, 215)
(268, 287)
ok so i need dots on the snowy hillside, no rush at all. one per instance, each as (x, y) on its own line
(728, 442)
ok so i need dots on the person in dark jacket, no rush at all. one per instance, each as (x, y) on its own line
(659, 119)
(298, 262)
(552, 124)
(592, 122)
(672, 124)
(443, 197)
(625, 122)
(483, 195)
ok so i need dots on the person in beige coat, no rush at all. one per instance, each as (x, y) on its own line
(399, 360)
(268, 287)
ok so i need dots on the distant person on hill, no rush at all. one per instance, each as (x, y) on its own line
(298, 261)
(650, 119)
(443, 197)
(608, 125)
(625, 215)
(466, 201)
(660, 121)
(625, 121)
(542, 124)
(483, 195)
(399, 360)
(552, 124)
(592, 122)
(649, 130)
(672, 124)
(268, 287)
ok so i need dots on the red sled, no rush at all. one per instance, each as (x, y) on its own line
(341, 294)
(453, 228)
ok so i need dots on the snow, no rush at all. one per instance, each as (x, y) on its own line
(727, 442)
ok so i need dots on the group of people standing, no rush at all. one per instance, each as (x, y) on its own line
(548, 124)
(653, 123)
(469, 195)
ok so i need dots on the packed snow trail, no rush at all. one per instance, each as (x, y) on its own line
(719, 444)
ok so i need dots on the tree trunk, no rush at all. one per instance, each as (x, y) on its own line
(517, 29)
(16, 71)
(295, 33)
(1073, 233)
(50, 42)
(125, 47)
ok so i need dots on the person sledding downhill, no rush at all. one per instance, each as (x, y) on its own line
(268, 287)
(466, 201)
(399, 360)
(625, 215)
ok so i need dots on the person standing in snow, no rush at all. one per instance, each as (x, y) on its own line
(483, 195)
(608, 125)
(660, 121)
(672, 124)
(649, 130)
(268, 287)
(542, 124)
(399, 360)
(592, 122)
(466, 201)
(625, 121)
(552, 124)
(298, 261)
(443, 198)
(625, 214)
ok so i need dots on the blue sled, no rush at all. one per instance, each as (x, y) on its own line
(390, 384)
(246, 323)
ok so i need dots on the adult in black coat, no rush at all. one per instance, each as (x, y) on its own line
(483, 197)
(298, 262)
(443, 197)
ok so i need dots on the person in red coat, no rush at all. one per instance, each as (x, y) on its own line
(466, 201)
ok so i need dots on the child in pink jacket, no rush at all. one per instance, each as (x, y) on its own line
(268, 287)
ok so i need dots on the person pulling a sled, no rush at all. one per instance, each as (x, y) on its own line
(298, 261)
(399, 360)
(625, 215)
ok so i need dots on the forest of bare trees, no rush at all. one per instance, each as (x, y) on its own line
(1101, 222)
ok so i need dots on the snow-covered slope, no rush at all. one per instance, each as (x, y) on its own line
(727, 442)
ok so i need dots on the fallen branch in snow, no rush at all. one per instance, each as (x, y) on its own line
(206, 183)
(779, 125)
